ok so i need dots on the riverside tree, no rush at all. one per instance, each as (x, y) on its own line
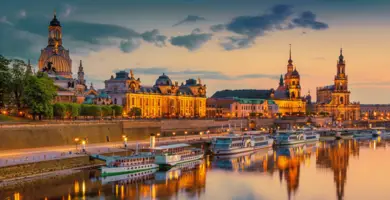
(5, 78)
(39, 93)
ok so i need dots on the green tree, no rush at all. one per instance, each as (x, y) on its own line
(5, 78)
(59, 110)
(95, 111)
(135, 112)
(106, 111)
(116, 110)
(38, 94)
(18, 81)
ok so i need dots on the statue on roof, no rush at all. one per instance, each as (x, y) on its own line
(199, 81)
(131, 73)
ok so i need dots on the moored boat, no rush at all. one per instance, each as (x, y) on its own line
(116, 165)
(235, 143)
(171, 155)
(288, 138)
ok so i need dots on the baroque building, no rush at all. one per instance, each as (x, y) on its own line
(334, 99)
(287, 96)
(56, 62)
(163, 99)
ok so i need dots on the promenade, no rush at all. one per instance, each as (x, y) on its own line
(24, 156)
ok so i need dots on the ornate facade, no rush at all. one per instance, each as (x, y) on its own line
(288, 94)
(163, 99)
(56, 62)
(334, 99)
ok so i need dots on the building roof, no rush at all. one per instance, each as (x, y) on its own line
(252, 101)
(250, 94)
(163, 80)
(327, 87)
(54, 21)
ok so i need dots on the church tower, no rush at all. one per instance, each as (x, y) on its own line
(80, 74)
(341, 94)
(55, 52)
(292, 80)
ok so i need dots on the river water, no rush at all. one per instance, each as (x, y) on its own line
(346, 169)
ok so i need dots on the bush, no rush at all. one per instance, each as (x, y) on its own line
(106, 111)
(117, 110)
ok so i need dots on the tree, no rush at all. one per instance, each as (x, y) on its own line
(38, 94)
(59, 110)
(95, 111)
(106, 111)
(135, 112)
(17, 82)
(116, 110)
(5, 78)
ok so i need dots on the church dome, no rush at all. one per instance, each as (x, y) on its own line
(163, 80)
(55, 22)
(295, 73)
(60, 63)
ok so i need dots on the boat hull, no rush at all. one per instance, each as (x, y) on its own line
(168, 163)
(112, 171)
(221, 152)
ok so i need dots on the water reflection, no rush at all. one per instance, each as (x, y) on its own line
(288, 166)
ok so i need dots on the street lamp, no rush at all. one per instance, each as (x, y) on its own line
(208, 131)
(158, 137)
(124, 140)
(83, 145)
(76, 140)
(200, 133)
(185, 135)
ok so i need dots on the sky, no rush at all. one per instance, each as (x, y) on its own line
(228, 44)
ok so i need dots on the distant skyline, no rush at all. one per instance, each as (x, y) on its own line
(229, 44)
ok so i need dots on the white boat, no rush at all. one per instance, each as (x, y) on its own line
(116, 165)
(344, 134)
(129, 177)
(288, 138)
(171, 155)
(311, 136)
(235, 143)
(363, 134)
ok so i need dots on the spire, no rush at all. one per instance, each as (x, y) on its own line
(341, 57)
(290, 59)
(81, 69)
(29, 68)
(281, 81)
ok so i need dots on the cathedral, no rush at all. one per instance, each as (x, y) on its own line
(56, 62)
(334, 99)
(288, 94)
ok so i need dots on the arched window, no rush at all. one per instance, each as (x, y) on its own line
(292, 94)
(341, 100)
(115, 101)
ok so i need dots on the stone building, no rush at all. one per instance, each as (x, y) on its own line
(375, 111)
(334, 99)
(287, 96)
(163, 99)
(56, 62)
(240, 107)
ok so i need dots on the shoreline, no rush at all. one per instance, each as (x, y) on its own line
(33, 177)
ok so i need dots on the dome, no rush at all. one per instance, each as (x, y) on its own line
(60, 63)
(163, 80)
(295, 73)
(55, 22)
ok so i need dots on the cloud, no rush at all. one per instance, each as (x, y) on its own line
(154, 37)
(308, 19)
(79, 35)
(217, 27)
(68, 10)
(23, 13)
(192, 41)
(376, 83)
(233, 42)
(129, 45)
(278, 18)
(4, 20)
(190, 19)
(183, 74)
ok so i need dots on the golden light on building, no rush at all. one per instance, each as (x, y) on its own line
(76, 187)
(16, 196)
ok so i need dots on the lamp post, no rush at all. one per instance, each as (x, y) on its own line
(200, 133)
(158, 137)
(83, 143)
(124, 140)
(208, 132)
(185, 135)
(76, 140)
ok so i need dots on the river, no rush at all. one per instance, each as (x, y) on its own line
(346, 169)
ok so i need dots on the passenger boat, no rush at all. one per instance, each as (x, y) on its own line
(176, 171)
(129, 177)
(116, 165)
(311, 136)
(235, 143)
(364, 134)
(171, 155)
(288, 138)
(344, 134)
(327, 135)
